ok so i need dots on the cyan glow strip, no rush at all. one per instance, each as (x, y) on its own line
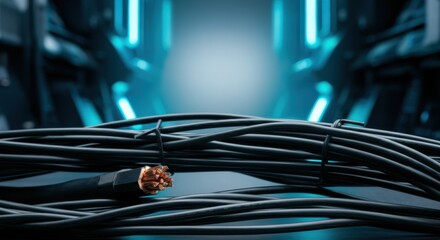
(302, 65)
(87, 111)
(318, 109)
(142, 64)
(277, 21)
(326, 19)
(324, 88)
(133, 22)
(126, 109)
(167, 19)
(362, 109)
(119, 88)
(118, 8)
(311, 23)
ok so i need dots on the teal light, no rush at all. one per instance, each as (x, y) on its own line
(324, 88)
(326, 19)
(362, 109)
(424, 117)
(318, 109)
(133, 22)
(158, 106)
(330, 43)
(302, 65)
(311, 23)
(167, 14)
(277, 22)
(125, 108)
(87, 111)
(314, 160)
(120, 88)
(142, 64)
(118, 13)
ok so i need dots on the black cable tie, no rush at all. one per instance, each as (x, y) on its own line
(158, 134)
(336, 124)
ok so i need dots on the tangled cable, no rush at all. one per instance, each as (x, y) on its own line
(290, 153)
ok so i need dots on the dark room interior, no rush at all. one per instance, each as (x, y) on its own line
(259, 119)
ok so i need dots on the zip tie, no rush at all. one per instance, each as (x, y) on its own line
(158, 134)
(336, 124)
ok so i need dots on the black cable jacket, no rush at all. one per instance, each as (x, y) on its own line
(241, 230)
(345, 148)
(170, 117)
(67, 131)
(252, 190)
(372, 180)
(40, 209)
(388, 208)
(411, 172)
(284, 141)
(247, 122)
(275, 150)
(359, 204)
(423, 186)
(28, 217)
(229, 196)
(289, 189)
(136, 209)
(280, 178)
(209, 230)
(231, 208)
(75, 189)
(300, 127)
(8, 211)
(330, 213)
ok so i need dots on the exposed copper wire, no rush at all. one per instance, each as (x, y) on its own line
(154, 179)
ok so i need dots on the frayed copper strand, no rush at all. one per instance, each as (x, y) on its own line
(154, 179)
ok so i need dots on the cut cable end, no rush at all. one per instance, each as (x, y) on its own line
(154, 179)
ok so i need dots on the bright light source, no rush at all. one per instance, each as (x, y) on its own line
(225, 72)
(277, 22)
(133, 22)
(324, 88)
(87, 111)
(311, 23)
(326, 17)
(302, 65)
(125, 108)
(120, 88)
(167, 14)
(142, 64)
(118, 13)
(318, 109)
(362, 108)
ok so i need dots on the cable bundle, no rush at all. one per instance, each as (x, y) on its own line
(300, 156)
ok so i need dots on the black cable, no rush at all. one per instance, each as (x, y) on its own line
(287, 152)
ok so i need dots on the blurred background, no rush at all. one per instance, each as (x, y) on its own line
(66, 63)
(80, 63)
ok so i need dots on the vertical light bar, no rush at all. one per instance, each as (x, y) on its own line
(118, 8)
(326, 17)
(167, 20)
(133, 22)
(126, 109)
(277, 21)
(361, 110)
(318, 109)
(311, 23)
